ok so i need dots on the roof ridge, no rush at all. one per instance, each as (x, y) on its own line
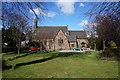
(45, 26)
(52, 26)
(75, 30)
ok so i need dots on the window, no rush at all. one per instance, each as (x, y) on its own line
(45, 42)
(50, 44)
(50, 41)
(72, 45)
(60, 42)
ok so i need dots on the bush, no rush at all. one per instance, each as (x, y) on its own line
(15, 49)
(109, 52)
(5, 65)
(22, 55)
(9, 49)
(24, 49)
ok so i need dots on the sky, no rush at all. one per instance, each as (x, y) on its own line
(65, 13)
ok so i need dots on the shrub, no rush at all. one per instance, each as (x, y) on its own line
(15, 49)
(5, 65)
(9, 49)
(109, 52)
(22, 55)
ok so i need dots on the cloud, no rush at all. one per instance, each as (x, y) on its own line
(93, 25)
(38, 11)
(66, 6)
(51, 14)
(82, 5)
(82, 29)
(84, 23)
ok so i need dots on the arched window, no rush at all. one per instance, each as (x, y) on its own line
(60, 42)
(45, 42)
(50, 44)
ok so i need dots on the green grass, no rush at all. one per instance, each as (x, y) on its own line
(75, 65)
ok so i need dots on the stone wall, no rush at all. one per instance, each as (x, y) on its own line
(72, 44)
(47, 44)
(82, 40)
(61, 42)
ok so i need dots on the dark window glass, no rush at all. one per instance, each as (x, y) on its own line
(72, 45)
(60, 42)
(50, 44)
(45, 42)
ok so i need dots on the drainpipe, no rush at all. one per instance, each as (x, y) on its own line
(54, 44)
(76, 42)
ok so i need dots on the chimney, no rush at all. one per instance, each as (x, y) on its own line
(67, 27)
(68, 31)
(35, 24)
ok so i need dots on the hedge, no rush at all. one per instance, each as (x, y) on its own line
(22, 55)
(15, 49)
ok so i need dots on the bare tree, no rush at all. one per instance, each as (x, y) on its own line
(20, 25)
(106, 15)
(23, 9)
(18, 14)
(11, 9)
(101, 10)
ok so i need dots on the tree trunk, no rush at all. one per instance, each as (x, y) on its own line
(118, 48)
(94, 46)
(18, 50)
(103, 44)
(19, 45)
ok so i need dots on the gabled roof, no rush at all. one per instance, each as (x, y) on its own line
(49, 32)
(79, 34)
(71, 38)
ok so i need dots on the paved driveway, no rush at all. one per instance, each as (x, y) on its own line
(73, 51)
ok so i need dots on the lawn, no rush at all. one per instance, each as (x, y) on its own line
(62, 65)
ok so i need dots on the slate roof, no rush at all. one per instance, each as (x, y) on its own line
(71, 38)
(49, 32)
(79, 34)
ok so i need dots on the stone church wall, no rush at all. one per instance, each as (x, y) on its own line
(72, 44)
(82, 40)
(61, 42)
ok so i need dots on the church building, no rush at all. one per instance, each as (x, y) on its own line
(58, 37)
